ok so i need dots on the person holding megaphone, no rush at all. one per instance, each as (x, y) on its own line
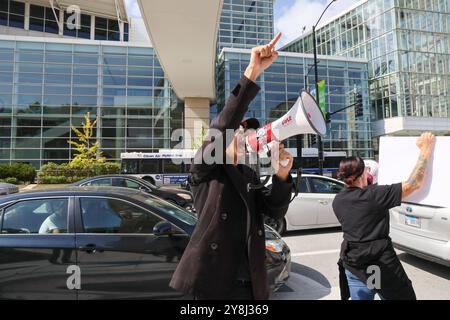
(368, 263)
(225, 258)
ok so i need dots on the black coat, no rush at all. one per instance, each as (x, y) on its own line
(227, 213)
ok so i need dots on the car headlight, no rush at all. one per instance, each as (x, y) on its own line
(184, 196)
(275, 246)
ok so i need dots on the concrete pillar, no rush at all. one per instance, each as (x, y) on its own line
(92, 27)
(27, 16)
(196, 115)
(61, 22)
(166, 113)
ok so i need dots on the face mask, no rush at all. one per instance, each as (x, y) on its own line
(369, 179)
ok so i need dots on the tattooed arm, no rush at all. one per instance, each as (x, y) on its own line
(425, 144)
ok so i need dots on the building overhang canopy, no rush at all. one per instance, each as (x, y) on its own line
(105, 8)
(184, 35)
(410, 126)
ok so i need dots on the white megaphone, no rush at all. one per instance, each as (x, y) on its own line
(304, 117)
(373, 170)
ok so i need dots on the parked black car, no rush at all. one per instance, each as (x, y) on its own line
(126, 245)
(180, 197)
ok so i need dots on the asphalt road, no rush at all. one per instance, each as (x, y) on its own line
(315, 275)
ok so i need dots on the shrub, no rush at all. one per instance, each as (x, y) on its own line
(21, 171)
(53, 179)
(76, 173)
(10, 180)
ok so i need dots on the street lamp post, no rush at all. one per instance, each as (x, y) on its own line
(319, 137)
(316, 76)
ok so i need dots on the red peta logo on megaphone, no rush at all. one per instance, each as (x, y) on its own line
(286, 121)
(304, 117)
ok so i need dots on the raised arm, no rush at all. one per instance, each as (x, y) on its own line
(415, 181)
(245, 91)
(235, 108)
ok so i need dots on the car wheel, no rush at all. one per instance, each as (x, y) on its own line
(278, 224)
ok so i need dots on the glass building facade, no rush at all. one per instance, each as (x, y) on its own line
(33, 17)
(280, 86)
(12, 13)
(48, 85)
(407, 44)
(245, 23)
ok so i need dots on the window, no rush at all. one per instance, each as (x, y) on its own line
(3, 18)
(100, 182)
(325, 186)
(103, 215)
(170, 209)
(170, 166)
(127, 183)
(16, 21)
(303, 185)
(36, 24)
(108, 29)
(4, 5)
(12, 14)
(150, 166)
(37, 11)
(17, 7)
(47, 216)
(81, 31)
(129, 166)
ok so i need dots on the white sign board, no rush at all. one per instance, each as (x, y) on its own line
(398, 157)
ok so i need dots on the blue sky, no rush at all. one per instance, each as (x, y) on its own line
(290, 15)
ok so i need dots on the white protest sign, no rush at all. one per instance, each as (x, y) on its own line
(398, 157)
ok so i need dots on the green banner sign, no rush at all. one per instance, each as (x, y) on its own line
(322, 103)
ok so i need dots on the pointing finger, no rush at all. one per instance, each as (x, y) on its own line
(275, 40)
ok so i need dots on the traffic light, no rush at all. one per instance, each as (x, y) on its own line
(359, 112)
(313, 140)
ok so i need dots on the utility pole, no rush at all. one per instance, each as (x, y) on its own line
(316, 75)
(319, 137)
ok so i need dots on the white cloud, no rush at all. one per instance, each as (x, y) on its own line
(290, 20)
(133, 8)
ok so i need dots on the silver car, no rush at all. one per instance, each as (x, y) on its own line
(312, 207)
(423, 231)
(8, 188)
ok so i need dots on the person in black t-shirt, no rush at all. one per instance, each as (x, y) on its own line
(368, 263)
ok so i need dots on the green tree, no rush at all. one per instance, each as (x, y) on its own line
(87, 148)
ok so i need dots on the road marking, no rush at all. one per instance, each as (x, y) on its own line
(314, 253)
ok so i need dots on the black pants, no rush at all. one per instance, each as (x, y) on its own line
(242, 290)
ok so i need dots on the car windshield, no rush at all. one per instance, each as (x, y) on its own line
(170, 209)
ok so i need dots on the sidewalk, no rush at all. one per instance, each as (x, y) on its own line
(29, 187)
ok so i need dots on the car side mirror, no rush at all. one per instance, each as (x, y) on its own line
(162, 228)
(144, 189)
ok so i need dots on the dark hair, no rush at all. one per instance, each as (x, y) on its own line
(350, 169)
(250, 123)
